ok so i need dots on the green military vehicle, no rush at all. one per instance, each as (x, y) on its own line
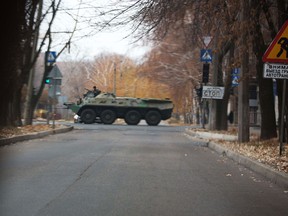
(106, 108)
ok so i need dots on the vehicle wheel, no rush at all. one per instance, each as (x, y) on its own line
(108, 116)
(153, 117)
(88, 116)
(132, 117)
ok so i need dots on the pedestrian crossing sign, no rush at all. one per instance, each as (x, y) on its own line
(277, 51)
(206, 55)
(51, 57)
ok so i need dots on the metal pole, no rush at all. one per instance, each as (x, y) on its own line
(53, 103)
(114, 88)
(203, 113)
(48, 106)
(281, 147)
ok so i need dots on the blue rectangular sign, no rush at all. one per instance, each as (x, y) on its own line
(206, 55)
(235, 77)
(51, 58)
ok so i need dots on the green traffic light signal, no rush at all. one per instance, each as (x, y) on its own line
(47, 81)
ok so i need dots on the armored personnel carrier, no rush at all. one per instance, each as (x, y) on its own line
(106, 107)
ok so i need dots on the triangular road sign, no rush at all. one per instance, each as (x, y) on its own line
(55, 73)
(206, 56)
(207, 40)
(278, 49)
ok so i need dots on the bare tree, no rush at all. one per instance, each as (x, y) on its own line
(221, 19)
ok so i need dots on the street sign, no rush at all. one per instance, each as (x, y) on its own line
(54, 90)
(206, 55)
(275, 71)
(51, 57)
(207, 40)
(235, 77)
(277, 52)
(213, 92)
(278, 49)
(55, 73)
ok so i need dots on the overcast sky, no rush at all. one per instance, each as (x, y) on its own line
(110, 40)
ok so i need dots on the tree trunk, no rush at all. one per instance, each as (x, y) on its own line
(220, 104)
(11, 64)
(243, 93)
(268, 120)
(280, 101)
(218, 121)
(266, 97)
(282, 17)
(212, 103)
(223, 118)
(28, 107)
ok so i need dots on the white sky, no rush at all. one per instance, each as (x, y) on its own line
(111, 40)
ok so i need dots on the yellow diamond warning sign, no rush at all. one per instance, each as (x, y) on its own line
(278, 49)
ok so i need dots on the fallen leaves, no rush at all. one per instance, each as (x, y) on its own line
(266, 152)
(8, 132)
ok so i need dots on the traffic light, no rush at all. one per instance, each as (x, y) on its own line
(205, 77)
(48, 80)
(199, 91)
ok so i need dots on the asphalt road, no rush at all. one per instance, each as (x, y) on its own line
(100, 170)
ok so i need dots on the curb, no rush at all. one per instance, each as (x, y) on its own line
(36, 135)
(208, 135)
(276, 177)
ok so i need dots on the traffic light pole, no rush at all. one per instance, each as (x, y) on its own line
(50, 58)
(205, 79)
(53, 104)
(281, 148)
(46, 71)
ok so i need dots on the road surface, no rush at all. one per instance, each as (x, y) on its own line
(107, 170)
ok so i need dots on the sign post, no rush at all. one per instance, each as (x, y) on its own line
(206, 57)
(56, 77)
(277, 52)
(282, 118)
(53, 79)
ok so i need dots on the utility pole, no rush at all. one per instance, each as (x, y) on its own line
(115, 79)
(243, 95)
(213, 103)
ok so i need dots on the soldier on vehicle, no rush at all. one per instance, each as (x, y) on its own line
(96, 91)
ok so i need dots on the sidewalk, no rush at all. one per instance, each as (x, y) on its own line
(276, 177)
(35, 135)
